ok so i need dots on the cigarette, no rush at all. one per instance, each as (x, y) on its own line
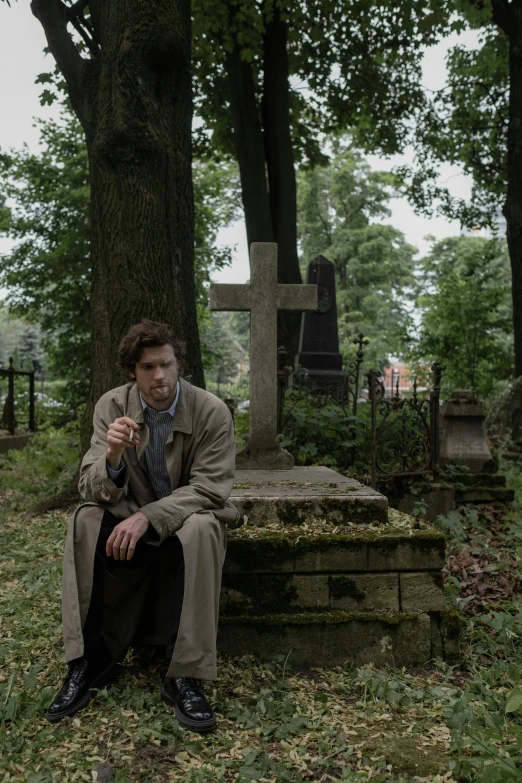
(131, 436)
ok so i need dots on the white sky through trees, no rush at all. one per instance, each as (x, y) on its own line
(21, 60)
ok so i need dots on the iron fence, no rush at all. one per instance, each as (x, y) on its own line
(9, 412)
(404, 430)
(403, 436)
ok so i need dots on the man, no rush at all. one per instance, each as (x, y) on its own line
(144, 553)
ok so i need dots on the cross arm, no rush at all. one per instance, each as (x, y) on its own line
(230, 297)
(296, 297)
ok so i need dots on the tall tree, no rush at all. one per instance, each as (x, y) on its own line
(465, 309)
(272, 75)
(47, 273)
(476, 122)
(129, 83)
(341, 207)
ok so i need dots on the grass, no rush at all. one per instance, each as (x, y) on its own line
(275, 723)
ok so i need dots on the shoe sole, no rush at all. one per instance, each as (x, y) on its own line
(202, 726)
(106, 677)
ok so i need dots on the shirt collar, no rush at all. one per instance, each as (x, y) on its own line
(172, 408)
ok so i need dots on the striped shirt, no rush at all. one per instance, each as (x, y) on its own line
(160, 427)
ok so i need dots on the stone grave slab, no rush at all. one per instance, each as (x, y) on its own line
(305, 494)
(339, 586)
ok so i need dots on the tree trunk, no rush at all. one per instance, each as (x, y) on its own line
(280, 167)
(133, 98)
(513, 205)
(248, 141)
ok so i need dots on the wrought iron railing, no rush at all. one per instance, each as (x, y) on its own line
(9, 413)
(400, 438)
(404, 430)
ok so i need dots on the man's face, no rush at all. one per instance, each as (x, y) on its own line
(157, 375)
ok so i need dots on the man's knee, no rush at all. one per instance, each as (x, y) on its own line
(203, 524)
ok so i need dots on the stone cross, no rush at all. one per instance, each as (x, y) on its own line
(263, 296)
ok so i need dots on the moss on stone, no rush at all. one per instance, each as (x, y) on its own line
(359, 535)
(269, 553)
(451, 622)
(404, 753)
(321, 618)
(281, 592)
(345, 587)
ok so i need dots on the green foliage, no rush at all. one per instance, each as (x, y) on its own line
(465, 307)
(20, 339)
(321, 434)
(223, 353)
(466, 124)
(338, 206)
(47, 274)
(360, 64)
(43, 468)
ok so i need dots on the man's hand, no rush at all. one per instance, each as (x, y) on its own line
(122, 434)
(123, 539)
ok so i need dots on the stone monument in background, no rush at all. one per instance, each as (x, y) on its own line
(464, 440)
(319, 342)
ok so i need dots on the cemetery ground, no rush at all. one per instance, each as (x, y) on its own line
(275, 723)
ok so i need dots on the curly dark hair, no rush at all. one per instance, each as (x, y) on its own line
(147, 334)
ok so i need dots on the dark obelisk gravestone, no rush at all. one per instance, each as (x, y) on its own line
(319, 344)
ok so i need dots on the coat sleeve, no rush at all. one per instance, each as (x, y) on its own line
(95, 486)
(211, 478)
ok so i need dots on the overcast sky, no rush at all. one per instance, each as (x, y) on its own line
(21, 60)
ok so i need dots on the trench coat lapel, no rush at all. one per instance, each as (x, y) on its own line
(182, 425)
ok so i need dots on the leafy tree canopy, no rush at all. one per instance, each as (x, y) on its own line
(47, 274)
(466, 124)
(465, 308)
(352, 65)
(339, 205)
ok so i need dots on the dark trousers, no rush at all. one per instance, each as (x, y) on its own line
(129, 575)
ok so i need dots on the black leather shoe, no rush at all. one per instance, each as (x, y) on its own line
(192, 709)
(75, 692)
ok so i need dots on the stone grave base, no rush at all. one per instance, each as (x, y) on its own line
(482, 488)
(343, 638)
(441, 497)
(332, 583)
(15, 442)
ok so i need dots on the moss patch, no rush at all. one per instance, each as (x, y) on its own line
(405, 755)
(274, 593)
(345, 587)
(321, 618)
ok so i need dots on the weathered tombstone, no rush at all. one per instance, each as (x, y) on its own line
(464, 440)
(263, 296)
(319, 342)
(315, 567)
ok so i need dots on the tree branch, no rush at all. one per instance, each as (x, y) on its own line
(53, 18)
(502, 15)
(74, 15)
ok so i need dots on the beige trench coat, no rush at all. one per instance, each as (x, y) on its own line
(200, 457)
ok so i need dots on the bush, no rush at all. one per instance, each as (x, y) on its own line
(43, 468)
(318, 434)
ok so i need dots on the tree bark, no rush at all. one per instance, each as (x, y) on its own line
(248, 141)
(134, 101)
(513, 204)
(280, 167)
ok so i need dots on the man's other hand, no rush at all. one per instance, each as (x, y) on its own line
(122, 434)
(123, 539)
